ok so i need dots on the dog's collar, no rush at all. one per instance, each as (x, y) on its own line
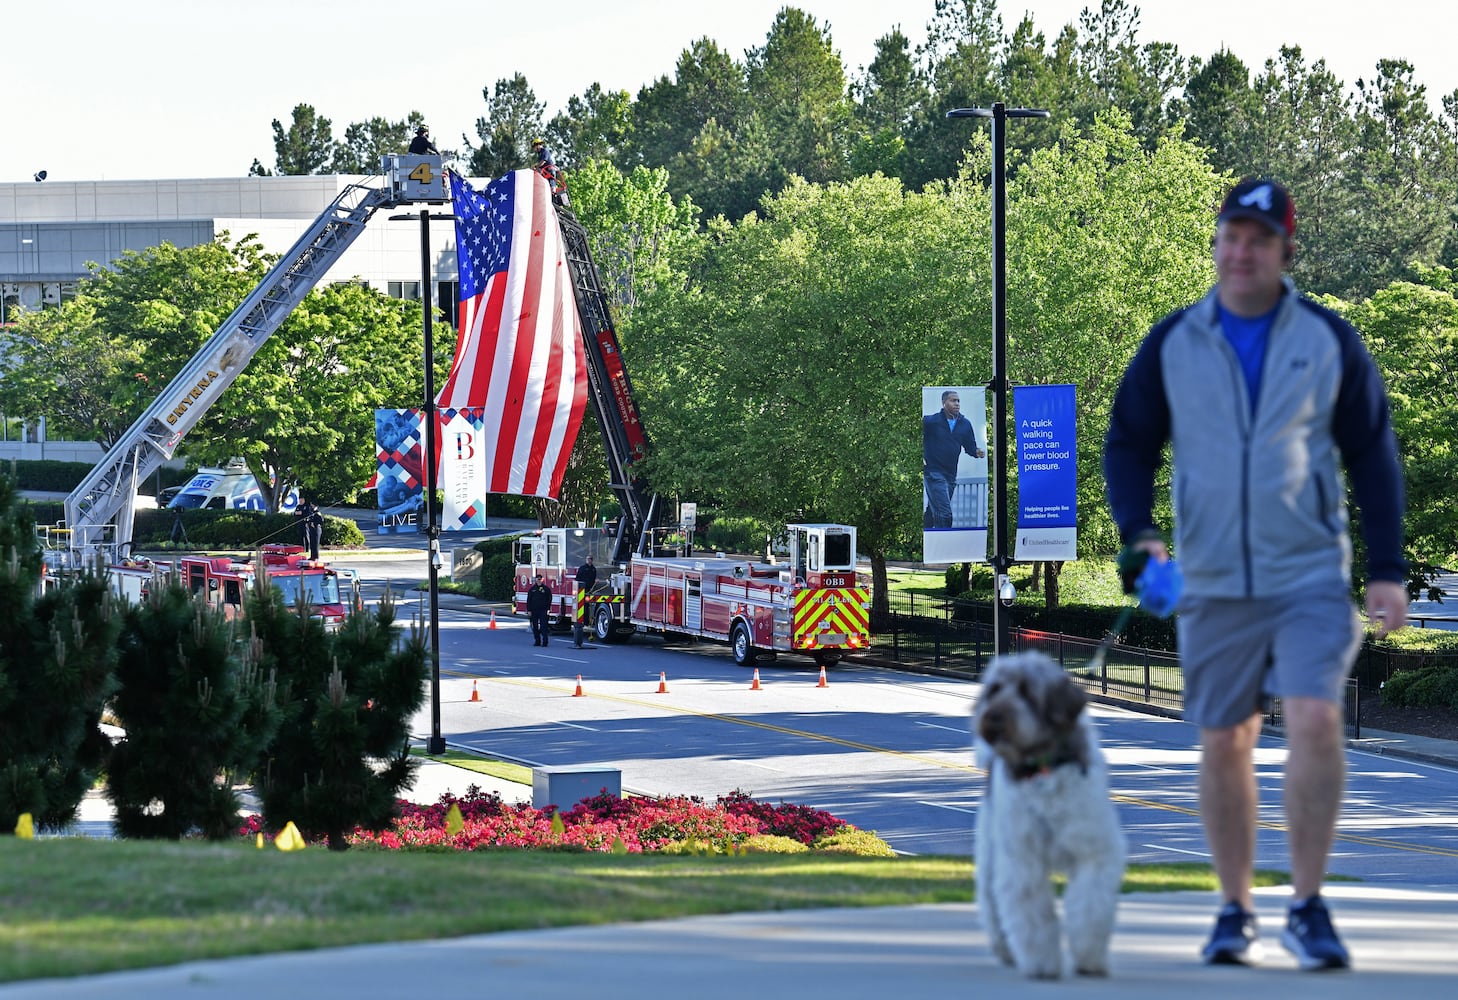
(1063, 754)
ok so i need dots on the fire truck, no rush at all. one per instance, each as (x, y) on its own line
(813, 603)
(222, 582)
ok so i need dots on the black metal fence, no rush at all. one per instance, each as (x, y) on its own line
(955, 637)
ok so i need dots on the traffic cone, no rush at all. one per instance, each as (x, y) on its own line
(578, 692)
(754, 685)
(662, 683)
(476, 695)
(822, 683)
(493, 619)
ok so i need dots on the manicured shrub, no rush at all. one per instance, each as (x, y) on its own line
(849, 840)
(1433, 687)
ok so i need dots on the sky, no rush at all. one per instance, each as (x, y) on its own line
(101, 90)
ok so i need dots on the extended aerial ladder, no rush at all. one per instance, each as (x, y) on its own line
(612, 396)
(99, 511)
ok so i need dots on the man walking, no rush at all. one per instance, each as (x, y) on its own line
(539, 603)
(586, 580)
(944, 436)
(1265, 396)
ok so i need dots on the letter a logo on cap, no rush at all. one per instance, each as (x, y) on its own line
(1260, 197)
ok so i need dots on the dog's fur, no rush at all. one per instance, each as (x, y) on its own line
(1046, 809)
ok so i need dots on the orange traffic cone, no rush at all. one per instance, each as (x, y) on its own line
(754, 685)
(662, 683)
(476, 695)
(578, 692)
(822, 683)
(493, 619)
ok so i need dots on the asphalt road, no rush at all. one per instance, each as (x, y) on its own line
(885, 750)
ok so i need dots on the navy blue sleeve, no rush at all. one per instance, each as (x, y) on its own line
(1138, 430)
(1362, 428)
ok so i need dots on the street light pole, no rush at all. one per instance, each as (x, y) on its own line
(1002, 561)
(435, 744)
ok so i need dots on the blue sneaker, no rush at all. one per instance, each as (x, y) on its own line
(1310, 936)
(1236, 939)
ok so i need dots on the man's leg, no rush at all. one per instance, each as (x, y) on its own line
(939, 497)
(1315, 774)
(1228, 805)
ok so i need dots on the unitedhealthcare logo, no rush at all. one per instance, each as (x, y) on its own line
(1260, 197)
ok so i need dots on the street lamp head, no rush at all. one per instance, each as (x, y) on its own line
(997, 109)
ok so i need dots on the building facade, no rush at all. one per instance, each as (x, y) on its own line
(49, 232)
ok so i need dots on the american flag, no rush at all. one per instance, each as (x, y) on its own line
(519, 356)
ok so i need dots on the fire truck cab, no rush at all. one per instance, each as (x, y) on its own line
(557, 553)
(222, 582)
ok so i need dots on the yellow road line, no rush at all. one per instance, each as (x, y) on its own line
(1378, 842)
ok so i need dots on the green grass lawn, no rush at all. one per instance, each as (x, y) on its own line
(74, 905)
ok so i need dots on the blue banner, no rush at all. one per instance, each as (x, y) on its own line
(1047, 446)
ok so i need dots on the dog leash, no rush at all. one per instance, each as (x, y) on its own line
(1157, 590)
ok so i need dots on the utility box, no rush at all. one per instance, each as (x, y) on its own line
(564, 787)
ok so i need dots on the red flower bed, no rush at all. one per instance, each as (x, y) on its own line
(594, 824)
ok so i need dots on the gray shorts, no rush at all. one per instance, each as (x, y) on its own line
(1237, 654)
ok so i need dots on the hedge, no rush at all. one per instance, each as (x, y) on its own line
(63, 477)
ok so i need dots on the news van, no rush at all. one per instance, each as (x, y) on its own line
(230, 488)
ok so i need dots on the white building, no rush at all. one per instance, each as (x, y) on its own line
(50, 230)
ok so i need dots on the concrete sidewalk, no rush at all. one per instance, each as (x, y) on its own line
(1400, 938)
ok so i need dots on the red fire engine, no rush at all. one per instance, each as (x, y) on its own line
(813, 603)
(225, 579)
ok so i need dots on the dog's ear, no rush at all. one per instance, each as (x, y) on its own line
(1065, 700)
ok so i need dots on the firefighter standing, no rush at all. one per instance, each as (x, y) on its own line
(421, 145)
(538, 603)
(312, 524)
(586, 579)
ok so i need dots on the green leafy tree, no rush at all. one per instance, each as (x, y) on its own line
(57, 654)
(962, 58)
(196, 715)
(302, 412)
(513, 119)
(1411, 328)
(67, 366)
(598, 125)
(365, 143)
(340, 757)
(1104, 238)
(836, 303)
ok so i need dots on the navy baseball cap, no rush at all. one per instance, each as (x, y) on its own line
(1264, 200)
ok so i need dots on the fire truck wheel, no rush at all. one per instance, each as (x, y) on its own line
(603, 625)
(826, 658)
(744, 651)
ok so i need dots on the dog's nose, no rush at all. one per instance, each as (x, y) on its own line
(991, 726)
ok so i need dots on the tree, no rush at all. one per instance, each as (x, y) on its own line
(1411, 328)
(887, 97)
(365, 143)
(772, 382)
(196, 716)
(302, 412)
(638, 235)
(796, 83)
(513, 119)
(81, 375)
(962, 58)
(1105, 237)
(341, 756)
(57, 654)
(305, 147)
(598, 125)
(1219, 109)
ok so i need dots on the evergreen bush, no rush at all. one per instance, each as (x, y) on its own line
(57, 654)
(196, 712)
(1435, 687)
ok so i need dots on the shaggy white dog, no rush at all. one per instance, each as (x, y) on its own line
(1046, 810)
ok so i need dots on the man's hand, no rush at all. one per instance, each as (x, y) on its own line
(1386, 606)
(1133, 557)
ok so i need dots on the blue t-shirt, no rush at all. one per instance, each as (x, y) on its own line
(1248, 336)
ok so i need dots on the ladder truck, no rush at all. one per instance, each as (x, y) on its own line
(99, 511)
(814, 605)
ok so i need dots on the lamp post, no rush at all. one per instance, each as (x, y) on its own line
(435, 745)
(1004, 594)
